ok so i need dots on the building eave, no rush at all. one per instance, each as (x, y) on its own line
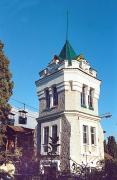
(46, 77)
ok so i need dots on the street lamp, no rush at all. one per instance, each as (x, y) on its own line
(106, 115)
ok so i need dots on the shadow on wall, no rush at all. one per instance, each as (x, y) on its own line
(65, 146)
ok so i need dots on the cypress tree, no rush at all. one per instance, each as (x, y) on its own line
(112, 146)
(6, 86)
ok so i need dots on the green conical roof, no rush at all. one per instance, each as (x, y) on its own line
(67, 52)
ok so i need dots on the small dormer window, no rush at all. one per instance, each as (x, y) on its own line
(47, 96)
(90, 98)
(22, 117)
(55, 96)
(83, 96)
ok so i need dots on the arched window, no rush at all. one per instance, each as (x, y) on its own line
(55, 96)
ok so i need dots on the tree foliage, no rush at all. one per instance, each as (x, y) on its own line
(6, 85)
(110, 147)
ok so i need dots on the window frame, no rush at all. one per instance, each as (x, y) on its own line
(53, 134)
(85, 135)
(83, 96)
(55, 95)
(93, 135)
(47, 98)
(90, 99)
(45, 138)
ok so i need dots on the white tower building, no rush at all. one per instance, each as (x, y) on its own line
(68, 92)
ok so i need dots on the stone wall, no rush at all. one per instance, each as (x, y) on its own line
(55, 109)
(65, 145)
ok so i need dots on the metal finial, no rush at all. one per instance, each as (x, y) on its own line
(67, 26)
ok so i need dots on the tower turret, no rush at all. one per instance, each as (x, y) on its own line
(68, 92)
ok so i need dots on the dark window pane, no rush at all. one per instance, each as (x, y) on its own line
(11, 122)
(46, 138)
(90, 98)
(93, 135)
(83, 96)
(85, 134)
(54, 131)
(47, 98)
(22, 120)
(55, 96)
(92, 139)
(54, 136)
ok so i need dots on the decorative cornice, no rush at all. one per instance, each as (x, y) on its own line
(52, 117)
(61, 70)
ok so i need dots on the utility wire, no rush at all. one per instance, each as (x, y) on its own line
(24, 104)
(16, 112)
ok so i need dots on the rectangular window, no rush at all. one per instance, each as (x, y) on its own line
(47, 98)
(71, 85)
(11, 119)
(90, 98)
(54, 131)
(54, 136)
(55, 96)
(93, 136)
(83, 96)
(46, 138)
(85, 134)
(22, 120)
(22, 117)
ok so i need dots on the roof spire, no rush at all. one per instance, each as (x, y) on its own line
(67, 52)
(67, 26)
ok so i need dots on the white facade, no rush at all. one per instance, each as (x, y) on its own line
(78, 125)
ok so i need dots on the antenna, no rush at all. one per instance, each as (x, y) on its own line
(24, 106)
(67, 25)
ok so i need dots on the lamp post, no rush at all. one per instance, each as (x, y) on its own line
(106, 115)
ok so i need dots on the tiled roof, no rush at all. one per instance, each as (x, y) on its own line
(16, 128)
(67, 52)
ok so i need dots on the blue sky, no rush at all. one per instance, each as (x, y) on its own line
(34, 30)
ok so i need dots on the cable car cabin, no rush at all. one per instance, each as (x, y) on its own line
(11, 119)
(22, 117)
